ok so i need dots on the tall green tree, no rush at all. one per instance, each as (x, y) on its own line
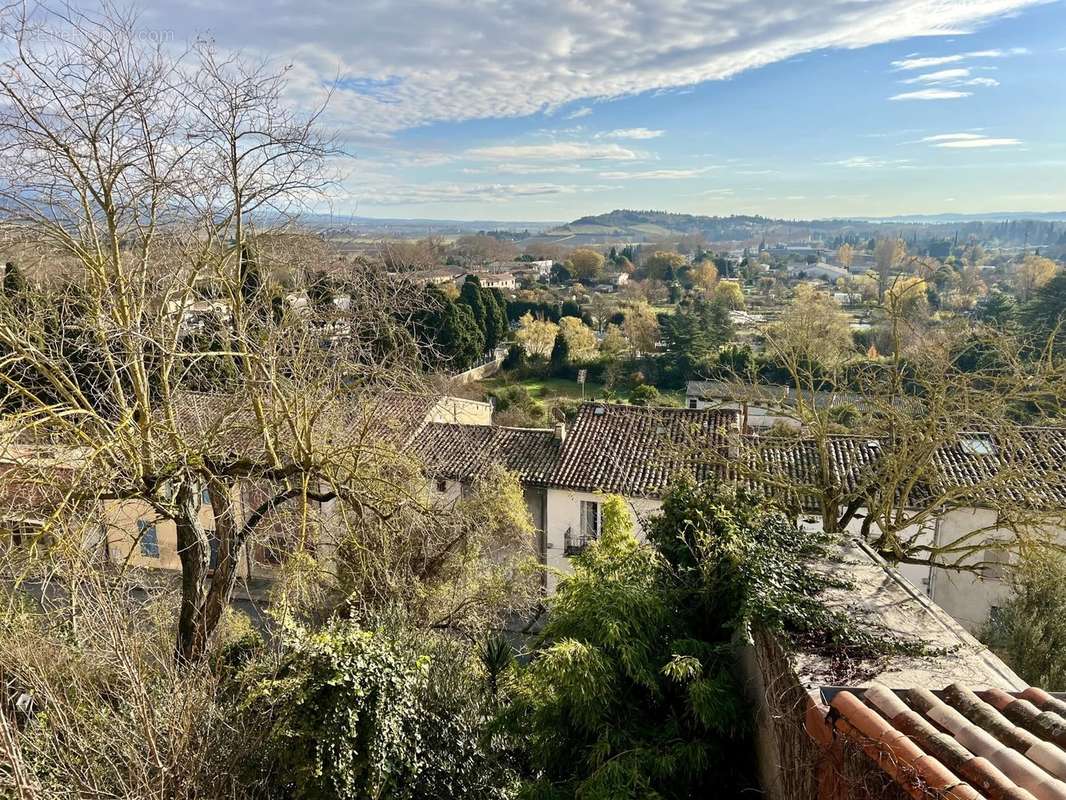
(449, 329)
(622, 698)
(560, 356)
(693, 334)
(471, 296)
(1044, 317)
(495, 318)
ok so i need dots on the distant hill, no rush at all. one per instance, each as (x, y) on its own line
(630, 226)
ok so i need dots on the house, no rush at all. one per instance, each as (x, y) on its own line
(825, 272)
(131, 533)
(965, 471)
(952, 722)
(618, 279)
(494, 280)
(628, 450)
(432, 277)
(637, 452)
(536, 269)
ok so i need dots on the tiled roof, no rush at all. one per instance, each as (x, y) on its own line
(955, 743)
(637, 451)
(796, 463)
(1030, 468)
(461, 452)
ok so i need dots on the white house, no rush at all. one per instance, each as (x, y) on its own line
(494, 280)
(631, 451)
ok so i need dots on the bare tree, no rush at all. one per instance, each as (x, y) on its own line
(886, 446)
(146, 175)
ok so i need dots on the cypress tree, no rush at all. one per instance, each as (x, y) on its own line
(560, 356)
(470, 296)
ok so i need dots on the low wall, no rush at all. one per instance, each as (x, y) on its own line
(478, 373)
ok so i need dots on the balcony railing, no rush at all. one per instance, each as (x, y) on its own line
(574, 543)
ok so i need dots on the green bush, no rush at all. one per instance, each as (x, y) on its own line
(644, 395)
(354, 713)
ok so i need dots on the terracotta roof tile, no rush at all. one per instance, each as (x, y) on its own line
(638, 451)
(461, 452)
(956, 743)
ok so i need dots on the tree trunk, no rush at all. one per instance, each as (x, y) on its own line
(194, 551)
(231, 535)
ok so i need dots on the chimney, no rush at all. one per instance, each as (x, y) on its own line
(560, 432)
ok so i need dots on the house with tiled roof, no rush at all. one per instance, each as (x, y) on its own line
(950, 720)
(637, 451)
(223, 425)
(610, 448)
(972, 478)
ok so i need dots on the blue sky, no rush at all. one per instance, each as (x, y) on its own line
(539, 110)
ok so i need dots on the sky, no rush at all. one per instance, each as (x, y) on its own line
(541, 110)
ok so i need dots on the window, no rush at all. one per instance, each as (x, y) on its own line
(590, 520)
(205, 497)
(442, 486)
(977, 446)
(148, 540)
(692, 403)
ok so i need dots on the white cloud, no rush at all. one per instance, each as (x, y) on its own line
(981, 142)
(968, 140)
(527, 169)
(584, 111)
(940, 76)
(436, 193)
(630, 133)
(945, 137)
(936, 61)
(657, 174)
(982, 82)
(557, 151)
(407, 63)
(931, 94)
(869, 162)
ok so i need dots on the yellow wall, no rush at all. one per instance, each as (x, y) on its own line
(123, 546)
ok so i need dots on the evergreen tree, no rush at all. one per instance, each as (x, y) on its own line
(448, 330)
(470, 296)
(495, 318)
(999, 309)
(560, 357)
(693, 334)
(1044, 316)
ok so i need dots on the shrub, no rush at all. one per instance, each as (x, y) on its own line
(644, 395)
(355, 713)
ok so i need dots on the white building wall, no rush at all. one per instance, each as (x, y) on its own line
(563, 513)
(966, 596)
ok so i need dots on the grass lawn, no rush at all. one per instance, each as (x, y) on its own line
(547, 388)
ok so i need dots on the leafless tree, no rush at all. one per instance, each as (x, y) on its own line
(964, 419)
(150, 177)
